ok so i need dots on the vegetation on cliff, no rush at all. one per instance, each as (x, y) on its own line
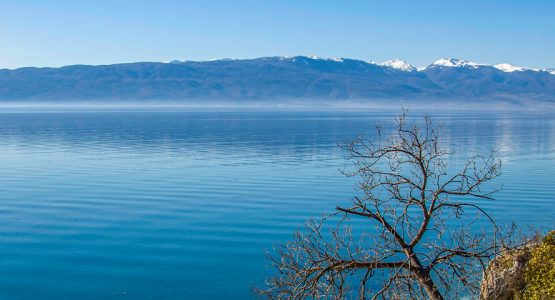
(539, 273)
(525, 273)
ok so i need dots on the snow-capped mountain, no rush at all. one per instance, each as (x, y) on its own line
(398, 64)
(454, 62)
(509, 68)
(461, 63)
(273, 79)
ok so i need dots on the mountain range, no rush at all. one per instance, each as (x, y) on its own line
(297, 80)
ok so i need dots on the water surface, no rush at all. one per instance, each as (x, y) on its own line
(183, 205)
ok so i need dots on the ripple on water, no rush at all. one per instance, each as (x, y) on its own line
(150, 205)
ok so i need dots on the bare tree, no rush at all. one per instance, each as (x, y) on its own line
(412, 232)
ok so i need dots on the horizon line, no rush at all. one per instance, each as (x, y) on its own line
(314, 57)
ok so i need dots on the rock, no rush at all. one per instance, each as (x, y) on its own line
(511, 275)
(504, 277)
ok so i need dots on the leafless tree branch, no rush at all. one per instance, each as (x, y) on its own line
(421, 235)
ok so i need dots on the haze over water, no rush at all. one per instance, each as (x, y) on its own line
(183, 205)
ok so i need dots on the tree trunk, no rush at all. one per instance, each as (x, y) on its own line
(429, 286)
(423, 276)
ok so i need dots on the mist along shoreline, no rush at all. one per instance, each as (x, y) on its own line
(277, 107)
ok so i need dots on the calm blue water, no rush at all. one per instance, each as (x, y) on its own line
(183, 205)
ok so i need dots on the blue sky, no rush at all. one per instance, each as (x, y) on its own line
(55, 33)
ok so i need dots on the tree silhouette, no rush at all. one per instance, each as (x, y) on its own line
(416, 233)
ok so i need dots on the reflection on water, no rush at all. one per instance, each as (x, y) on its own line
(156, 205)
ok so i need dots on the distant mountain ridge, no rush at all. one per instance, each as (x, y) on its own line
(271, 80)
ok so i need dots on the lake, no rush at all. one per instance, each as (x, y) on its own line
(184, 204)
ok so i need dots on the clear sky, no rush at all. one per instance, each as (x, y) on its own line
(56, 33)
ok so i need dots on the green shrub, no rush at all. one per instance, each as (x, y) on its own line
(540, 270)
